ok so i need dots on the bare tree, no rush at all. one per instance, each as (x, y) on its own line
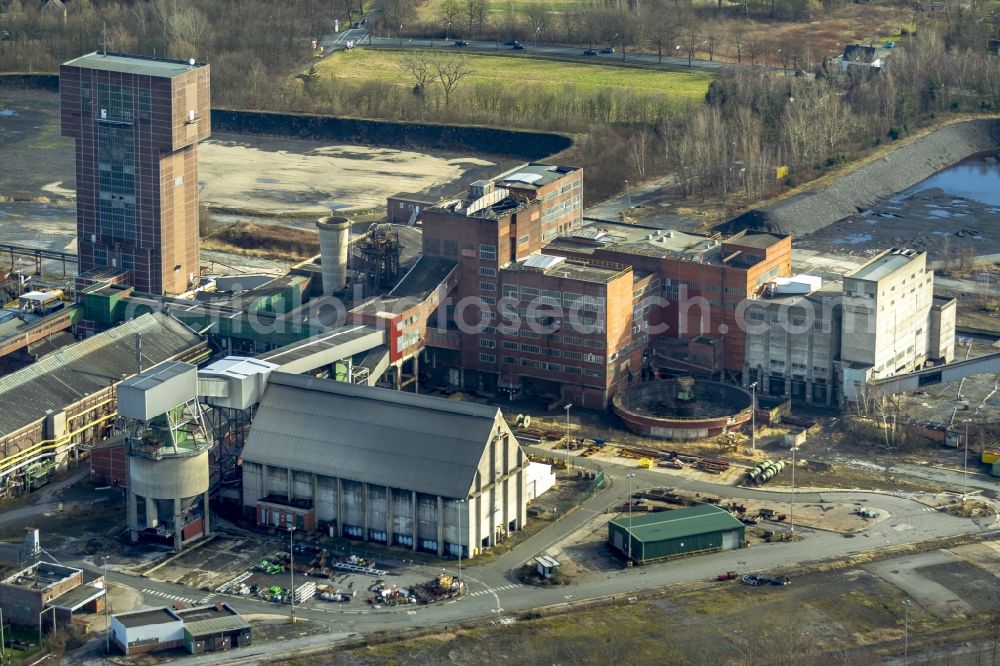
(539, 20)
(475, 11)
(450, 72)
(661, 28)
(448, 12)
(690, 37)
(737, 35)
(187, 29)
(420, 66)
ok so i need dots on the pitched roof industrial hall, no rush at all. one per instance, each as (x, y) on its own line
(91, 365)
(423, 443)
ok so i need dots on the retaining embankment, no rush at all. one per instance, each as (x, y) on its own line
(518, 144)
(813, 209)
(485, 140)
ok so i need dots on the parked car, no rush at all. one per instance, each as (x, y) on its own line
(590, 52)
(511, 42)
(461, 42)
(517, 46)
(890, 45)
(608, 50)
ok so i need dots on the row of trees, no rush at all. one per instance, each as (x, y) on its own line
(754, 122)
(233, 37)
(664, 26)
(728, 147)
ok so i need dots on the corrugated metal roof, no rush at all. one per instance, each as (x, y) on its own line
(153, 377)
(238, 367)
(679, 523)
(216, 625)
(77, 597)
(62, 378)
(543, 261)
(402, 440)
(142, 65)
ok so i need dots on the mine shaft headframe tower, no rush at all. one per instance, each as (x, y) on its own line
(137, 122)
(380, 256)
(167, 447)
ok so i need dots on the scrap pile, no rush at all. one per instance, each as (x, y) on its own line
(442, 587)
(384, 595)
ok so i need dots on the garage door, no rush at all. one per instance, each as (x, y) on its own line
(619, 541)
(730, 540)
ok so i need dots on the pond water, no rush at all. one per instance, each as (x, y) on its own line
(953, 212)
(979, 181)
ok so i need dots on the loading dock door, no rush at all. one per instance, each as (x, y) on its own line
(730, 540)
(619, 541)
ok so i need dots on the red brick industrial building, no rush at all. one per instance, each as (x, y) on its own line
(137, 122)
(513, 295)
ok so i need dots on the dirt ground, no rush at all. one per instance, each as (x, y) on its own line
(258, 177)
(302, 177)
(823, 618)
(214, 563)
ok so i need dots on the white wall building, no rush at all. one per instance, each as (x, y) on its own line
(147, 630)
(538, 479)
(385, 466)
(891, 322)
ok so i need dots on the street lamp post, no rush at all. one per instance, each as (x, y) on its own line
(628, 192)
(753, 416)
(291, 568)
(630, 477)
(791, 506)
(400, 34)
(965, 472)
(906, 631)
(461, 507)
(567, 408)
(107, 620)
(447, 33)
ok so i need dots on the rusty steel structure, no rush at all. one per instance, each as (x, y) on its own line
(379, 250)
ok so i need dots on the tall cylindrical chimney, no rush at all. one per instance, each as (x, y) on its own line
(334, 235)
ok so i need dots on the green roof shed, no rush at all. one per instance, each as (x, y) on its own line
(667, 534)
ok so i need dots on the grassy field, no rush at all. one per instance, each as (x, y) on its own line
(363, 64)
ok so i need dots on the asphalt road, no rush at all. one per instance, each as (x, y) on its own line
(670, 62)
(493, 591)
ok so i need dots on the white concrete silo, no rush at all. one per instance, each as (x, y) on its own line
(334, 236)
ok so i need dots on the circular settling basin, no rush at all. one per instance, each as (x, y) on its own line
(682, 408)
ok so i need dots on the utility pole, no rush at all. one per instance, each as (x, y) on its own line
(753, 416)
(107, 620)
(567, 432)
(906, 631)
(291, 566)
(791, 507)
(461, 507)
(965, 473)
(630, 477)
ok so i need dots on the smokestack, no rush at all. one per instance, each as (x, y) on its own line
(334, 236)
